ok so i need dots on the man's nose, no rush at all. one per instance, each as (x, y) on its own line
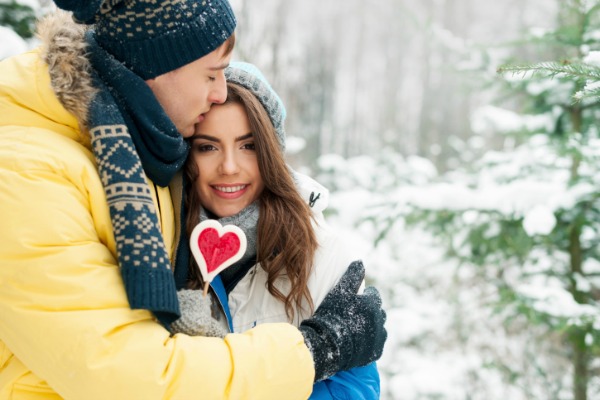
(219, 93)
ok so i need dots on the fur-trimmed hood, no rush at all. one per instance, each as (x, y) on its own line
(64, 50)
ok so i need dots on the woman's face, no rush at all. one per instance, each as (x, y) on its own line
(223, 149)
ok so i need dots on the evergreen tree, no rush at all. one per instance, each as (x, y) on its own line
(19, 17)
(575, 137)
(528, 219)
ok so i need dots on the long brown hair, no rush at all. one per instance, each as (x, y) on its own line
(286, 239)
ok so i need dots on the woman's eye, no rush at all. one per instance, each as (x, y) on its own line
(202, 148)
(249, 146)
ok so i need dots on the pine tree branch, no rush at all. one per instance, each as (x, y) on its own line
(552, 69)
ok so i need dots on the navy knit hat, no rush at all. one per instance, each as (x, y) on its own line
(250, 77)
(153, 37)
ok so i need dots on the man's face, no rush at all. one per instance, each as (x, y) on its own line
(187, 93)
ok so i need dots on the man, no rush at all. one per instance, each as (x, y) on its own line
(91, 142)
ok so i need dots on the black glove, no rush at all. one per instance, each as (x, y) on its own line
(347, 329)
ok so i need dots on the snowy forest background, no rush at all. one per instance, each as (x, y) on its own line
(460, 141)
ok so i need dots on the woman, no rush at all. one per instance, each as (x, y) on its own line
(238, 147)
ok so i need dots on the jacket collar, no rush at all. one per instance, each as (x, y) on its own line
(63, 49)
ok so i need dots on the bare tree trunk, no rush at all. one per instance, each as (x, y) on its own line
(279, 38)
(426, 123)
(352, 142)
(577, 336)
(581, 354)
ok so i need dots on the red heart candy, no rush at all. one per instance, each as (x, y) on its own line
(217, 249)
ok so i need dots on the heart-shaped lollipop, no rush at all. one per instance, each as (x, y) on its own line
(216, 247)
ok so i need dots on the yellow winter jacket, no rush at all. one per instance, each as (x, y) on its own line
(66, 329)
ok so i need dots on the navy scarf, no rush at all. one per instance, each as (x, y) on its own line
(132, 137)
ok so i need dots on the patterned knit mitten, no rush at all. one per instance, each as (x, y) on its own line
(196, 317)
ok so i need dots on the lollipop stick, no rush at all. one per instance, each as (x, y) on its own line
(205, 292)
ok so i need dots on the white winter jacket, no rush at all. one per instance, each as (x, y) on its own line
(251, 304)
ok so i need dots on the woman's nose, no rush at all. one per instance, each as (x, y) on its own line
(229, 164)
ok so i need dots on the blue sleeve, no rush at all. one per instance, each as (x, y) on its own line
(360, 383)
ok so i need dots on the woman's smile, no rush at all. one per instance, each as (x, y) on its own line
(230, 191)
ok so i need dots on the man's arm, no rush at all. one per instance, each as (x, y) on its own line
(65, 313)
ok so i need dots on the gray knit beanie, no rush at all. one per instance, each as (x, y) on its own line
(251, 78)
(153, 37)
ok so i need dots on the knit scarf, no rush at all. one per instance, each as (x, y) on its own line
(132, 137)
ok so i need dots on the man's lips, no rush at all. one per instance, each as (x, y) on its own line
(202, 115)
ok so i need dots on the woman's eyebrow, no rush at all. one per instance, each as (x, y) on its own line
(205, 137)
(217, 140)
(244, 137)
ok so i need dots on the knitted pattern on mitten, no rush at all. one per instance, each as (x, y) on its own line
(196, 317)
